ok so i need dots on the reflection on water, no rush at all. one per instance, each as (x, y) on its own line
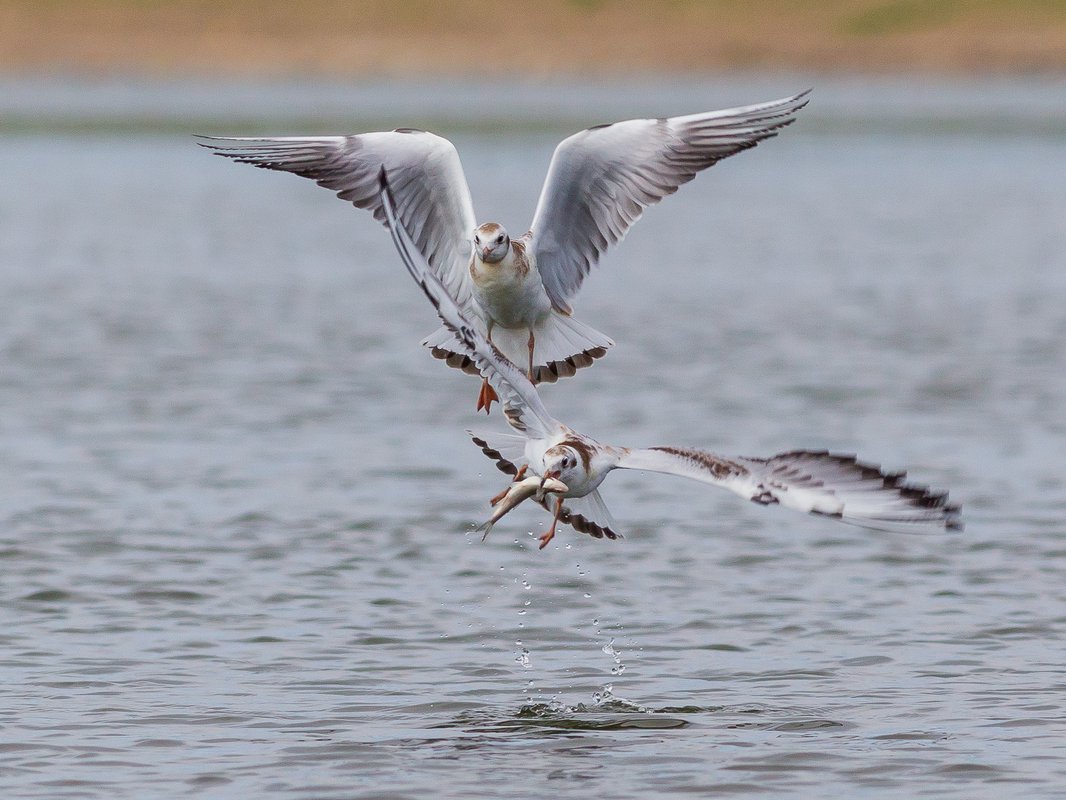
(238, 507)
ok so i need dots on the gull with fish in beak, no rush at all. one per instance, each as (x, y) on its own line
(834, 485)
(518, 291)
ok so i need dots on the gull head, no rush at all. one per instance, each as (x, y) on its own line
(562, 463)
(491, 243)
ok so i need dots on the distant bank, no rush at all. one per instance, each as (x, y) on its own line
(371, 38)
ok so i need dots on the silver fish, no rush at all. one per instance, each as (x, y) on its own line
(518, 492)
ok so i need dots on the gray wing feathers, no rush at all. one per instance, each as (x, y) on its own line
(859, 493)
(522, 406)
(601, 180)
(815, 481)
(432, 198)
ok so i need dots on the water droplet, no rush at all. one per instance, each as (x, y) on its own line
(587, 595)
(520, 613)
(527, 585)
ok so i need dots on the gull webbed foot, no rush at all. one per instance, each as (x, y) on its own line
(547, 537)
(486, 397)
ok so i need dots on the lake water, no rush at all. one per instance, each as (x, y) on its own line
(237, 496)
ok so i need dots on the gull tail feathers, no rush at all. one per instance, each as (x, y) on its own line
(506, 449)
(442, 344)
(588, 514)
(563, 345)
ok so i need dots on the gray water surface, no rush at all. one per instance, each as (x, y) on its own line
(237, 497)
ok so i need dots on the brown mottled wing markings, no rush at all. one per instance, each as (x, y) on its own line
(721, 468)
(521, 261)
(718, 467)
(515, 418)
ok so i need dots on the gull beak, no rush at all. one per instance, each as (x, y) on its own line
(553, 475)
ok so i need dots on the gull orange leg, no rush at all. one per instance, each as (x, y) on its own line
(488, 395)
(530, 344)
(547, 537)
(518, 476)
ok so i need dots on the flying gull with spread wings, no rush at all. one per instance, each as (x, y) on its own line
(518, 291)
(834, 485)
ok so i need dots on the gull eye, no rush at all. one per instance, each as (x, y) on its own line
(499, 239)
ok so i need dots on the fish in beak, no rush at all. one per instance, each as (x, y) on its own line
(520, 491)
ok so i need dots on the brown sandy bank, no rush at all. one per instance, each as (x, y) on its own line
(363, 38)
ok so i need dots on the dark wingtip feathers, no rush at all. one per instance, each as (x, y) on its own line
(502, 464)
(916, 495)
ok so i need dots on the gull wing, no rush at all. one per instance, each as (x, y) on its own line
(432, 197)
(816, 481)
(600, 180)
(522, 405)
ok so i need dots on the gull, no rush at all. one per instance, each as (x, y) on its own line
(834, 485)
(518, 291)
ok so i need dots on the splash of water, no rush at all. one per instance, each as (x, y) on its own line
(610, 650)
(522, 656)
